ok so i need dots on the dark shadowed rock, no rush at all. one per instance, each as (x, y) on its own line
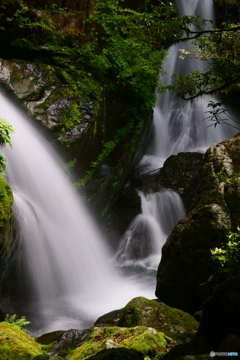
(182, 174)
(118, 354)
(221, 313)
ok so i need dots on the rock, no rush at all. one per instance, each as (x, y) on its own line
(230, 344)
(118, 354)
(144, 340)
(111, 319)
(48, 94)
(61, 343)
(16, 344)
(181, 173)
(186, 257)
(196, 349)
(48, 338)
(7, 248)
(221, 313)
(174, 323)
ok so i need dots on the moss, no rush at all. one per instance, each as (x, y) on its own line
(16, 344)
(6, 201)
(175, 323)
(142, 339)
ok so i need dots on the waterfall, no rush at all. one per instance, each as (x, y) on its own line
(142, 242)
(65, 260)
(178, 126)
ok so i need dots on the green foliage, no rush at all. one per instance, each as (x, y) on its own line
(222, 47)
(5, 130)
(18, 323)
(228, 256)
(107, 149)
(224, 177)
(122, 46)
(70, 165)
(126, 46)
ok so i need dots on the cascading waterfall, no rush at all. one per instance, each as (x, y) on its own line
(143, 240)
(178, 126)
(65, 260)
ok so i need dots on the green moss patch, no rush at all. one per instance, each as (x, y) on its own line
(144, 340)
(16, 344)
(6, 201)
(175, 323)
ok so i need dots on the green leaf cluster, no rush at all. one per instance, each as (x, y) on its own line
(228, 256)
(5, 130)
(19, 323)
(222, 74)
(224, 177)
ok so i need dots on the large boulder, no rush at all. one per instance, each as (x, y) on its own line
(141, 339)
(186, 257)
(174, 323)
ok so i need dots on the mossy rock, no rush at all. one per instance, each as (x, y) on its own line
(16, 344)
(6, 201)
(62, 343)
(144, 340)
(175, 323)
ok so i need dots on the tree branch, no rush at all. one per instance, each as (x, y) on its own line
(200, 33)
(212, 91)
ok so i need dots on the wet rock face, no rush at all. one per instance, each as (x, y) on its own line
(182, 174)
(185, 262)
(42, 90)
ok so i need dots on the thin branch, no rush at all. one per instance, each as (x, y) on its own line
(210, 92)
(200, 33)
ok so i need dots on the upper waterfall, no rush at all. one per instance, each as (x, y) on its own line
(179, 124)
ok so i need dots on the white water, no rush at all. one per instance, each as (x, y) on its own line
(65, 259)
(148, 232)
(178, 126)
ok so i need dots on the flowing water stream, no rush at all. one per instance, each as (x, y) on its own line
(66, 261)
